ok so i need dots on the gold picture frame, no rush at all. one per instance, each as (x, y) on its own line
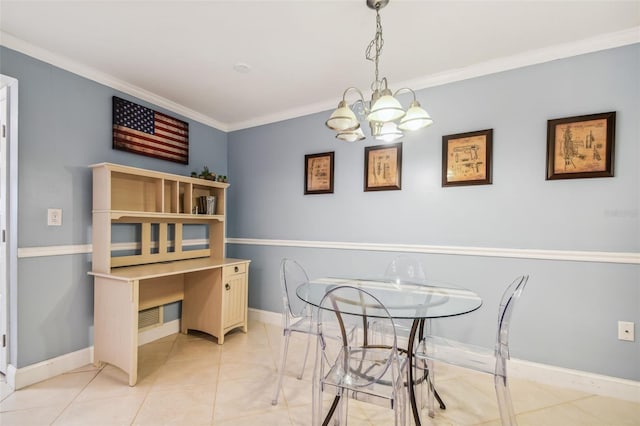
(467, 158)
(383, 167)
(581, 146)
(318, 173)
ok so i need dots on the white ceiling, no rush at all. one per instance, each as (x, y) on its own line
(301, 54)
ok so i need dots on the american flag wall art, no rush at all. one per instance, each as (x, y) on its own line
(147, 132)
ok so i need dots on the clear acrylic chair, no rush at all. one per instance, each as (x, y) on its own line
(434, 348)
(405, 268)
(401, 269)
(358, 366)
(296, 316)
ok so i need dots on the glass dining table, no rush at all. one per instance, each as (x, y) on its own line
(415, 301)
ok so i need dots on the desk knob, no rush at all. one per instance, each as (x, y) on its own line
(227, 287)
(236, 269)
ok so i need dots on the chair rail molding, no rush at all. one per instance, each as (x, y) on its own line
(564, 255)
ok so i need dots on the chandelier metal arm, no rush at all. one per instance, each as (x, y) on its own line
(405, 89)
(353, 88)
(365, 108)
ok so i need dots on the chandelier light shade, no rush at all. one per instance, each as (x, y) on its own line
(384, 112)
(343, 119)
(386, 108)
(351, 135)
(416, 118)
(389, 132)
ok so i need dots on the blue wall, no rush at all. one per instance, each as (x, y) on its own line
(64, 126)
(569, 312)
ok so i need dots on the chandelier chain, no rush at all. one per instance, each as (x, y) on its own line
(387, 118)
(376, 42)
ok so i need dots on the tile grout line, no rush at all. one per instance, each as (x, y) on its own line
(559, 404)
(215, 394)
(99, 370)
(166, 359)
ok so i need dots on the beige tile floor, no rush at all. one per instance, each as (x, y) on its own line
(191, 380)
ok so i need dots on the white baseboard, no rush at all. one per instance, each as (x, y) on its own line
(267, 317)
(11, 376)
(19, 378)
(583, 381)
(34, 373)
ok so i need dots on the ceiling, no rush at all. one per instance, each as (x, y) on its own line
(300, 55)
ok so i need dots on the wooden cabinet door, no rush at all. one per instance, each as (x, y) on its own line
(235, 300)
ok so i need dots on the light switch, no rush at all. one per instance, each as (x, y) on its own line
(54, 217)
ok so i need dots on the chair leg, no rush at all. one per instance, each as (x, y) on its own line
(342, 418)
(283, 361)
(306, 354)
(431, 390)
(319, 416)
(420, 376)
(507, 414)
(316, 403)
(400, 408)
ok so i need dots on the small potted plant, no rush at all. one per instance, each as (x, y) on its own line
(206, 174)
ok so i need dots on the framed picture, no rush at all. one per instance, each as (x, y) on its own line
(318, 173)
(466, 158)
(383, 167)
(581, 147)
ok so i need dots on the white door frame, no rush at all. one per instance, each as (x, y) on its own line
(9, 278)
(4, 99)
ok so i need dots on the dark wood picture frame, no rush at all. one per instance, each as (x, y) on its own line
(318, 173)
(467, 158)
(383, 167)
(581, 146)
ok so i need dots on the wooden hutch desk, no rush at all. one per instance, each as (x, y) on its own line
(213, 289)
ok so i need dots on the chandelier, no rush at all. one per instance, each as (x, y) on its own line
(387, 119)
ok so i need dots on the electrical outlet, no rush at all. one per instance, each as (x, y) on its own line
(625, 331)
(54, 217)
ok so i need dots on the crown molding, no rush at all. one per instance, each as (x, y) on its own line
(98, 76)
(532, 57)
